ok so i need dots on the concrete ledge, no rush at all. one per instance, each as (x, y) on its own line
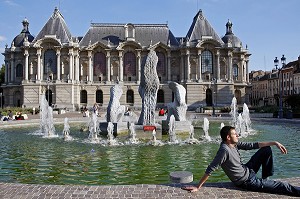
(210, 190)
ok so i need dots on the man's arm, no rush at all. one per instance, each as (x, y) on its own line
(196, 188)
(280, 146)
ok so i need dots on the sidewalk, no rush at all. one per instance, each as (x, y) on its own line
(146, 191)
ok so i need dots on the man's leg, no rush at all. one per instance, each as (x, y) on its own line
(263, 157)
(269, 186)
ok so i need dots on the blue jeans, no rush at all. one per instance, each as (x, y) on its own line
(264, 158)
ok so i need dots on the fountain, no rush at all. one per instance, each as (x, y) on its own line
(132, 135)
(233, 112)
(205, 129)
(246, 118)
(192, 139)
(110, 134)
(94, 129)
(66, 131)
(241, 122)
(46, 125)
(125, 159)
(172, 133)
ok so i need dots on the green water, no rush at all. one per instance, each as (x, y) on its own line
(30, 158)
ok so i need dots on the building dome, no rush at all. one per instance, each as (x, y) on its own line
(19, 39)
(230, 37)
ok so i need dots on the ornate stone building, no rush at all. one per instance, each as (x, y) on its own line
(75, 71)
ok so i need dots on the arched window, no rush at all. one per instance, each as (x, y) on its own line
(99, 96)
(49, 97)
(235, 71)
(50, 62)
(160, 96)
(130, 97)
(238, 96)
(129, 64)
(99, 64)
(161, 65)
(83, 96)
(207, 62)
(208, 97)
(19, 70)
(17, 99)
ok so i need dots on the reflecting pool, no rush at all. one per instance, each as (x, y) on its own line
(26, 157)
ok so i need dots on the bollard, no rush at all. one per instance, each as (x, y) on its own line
(181, 177)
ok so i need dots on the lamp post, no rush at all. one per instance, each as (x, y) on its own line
(276, 63)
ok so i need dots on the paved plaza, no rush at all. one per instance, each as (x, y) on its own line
(210, 190)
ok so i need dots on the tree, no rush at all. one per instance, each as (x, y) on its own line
(2, 73)
(294, 101)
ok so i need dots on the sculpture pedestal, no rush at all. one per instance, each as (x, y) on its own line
(180, 127)
(147, 135)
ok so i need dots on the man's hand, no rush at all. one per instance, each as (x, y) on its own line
(190, 188)
(281, 148)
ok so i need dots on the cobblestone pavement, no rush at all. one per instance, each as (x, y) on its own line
(210, 190)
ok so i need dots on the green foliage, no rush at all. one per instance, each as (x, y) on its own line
(294, 101)
(2, 74)
(266, 109)
(14, 110)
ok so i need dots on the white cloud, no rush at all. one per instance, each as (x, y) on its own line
(2, 38)
(11, 3)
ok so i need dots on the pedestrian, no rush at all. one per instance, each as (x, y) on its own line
(244, 175)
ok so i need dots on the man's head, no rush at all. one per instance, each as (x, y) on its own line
(228, 133)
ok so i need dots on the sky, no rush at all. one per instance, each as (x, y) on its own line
(270, 28)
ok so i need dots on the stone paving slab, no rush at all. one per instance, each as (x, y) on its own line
(147, 191)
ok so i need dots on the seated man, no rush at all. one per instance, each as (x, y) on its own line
(161, 112)
(244, 175)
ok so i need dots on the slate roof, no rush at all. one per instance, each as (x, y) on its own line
(230, 37)
(201, 27)
(19, 39)
(114, 34)
(56, 25)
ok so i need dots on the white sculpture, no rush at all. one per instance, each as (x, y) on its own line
(115, 111)
(178, 107)
(148, 89)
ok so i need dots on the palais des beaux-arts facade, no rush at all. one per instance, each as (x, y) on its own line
(79, 71)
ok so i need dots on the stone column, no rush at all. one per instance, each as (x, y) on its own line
(188, 66)
(218, 66)
(121, 66)
(71, 64)
(12, 68)
(6, 72)
(139, 65)
(90, 73)
(39, 70)
(58, 64)
(199, 66)
(26, 54)
(169, 66)
(230, 66)
(181, 68)
(247, 71)
(76, 66)
(108, 65)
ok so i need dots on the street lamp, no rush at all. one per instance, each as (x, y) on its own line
(276, 63)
